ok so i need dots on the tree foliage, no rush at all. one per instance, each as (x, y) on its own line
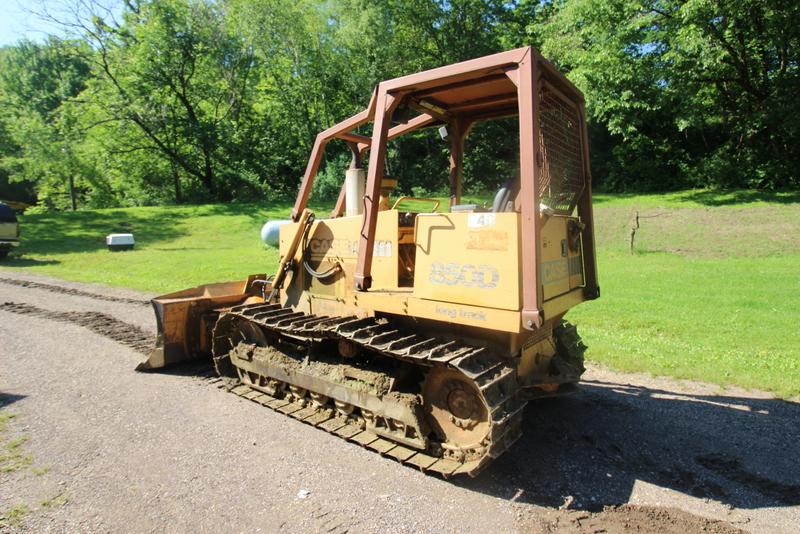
(38, 87)
(700, 92)
(194, 100)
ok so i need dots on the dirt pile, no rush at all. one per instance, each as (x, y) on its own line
(623, 519)
(71, 291)
(99, 323)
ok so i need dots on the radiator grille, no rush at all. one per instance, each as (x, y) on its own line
(561, 177)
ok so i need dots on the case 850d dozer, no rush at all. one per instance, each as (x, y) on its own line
(420, 335)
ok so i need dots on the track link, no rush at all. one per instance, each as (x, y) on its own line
(496, 381)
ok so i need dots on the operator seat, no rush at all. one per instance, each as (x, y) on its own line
(504, 198)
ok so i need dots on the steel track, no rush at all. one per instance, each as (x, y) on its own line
(490, 373)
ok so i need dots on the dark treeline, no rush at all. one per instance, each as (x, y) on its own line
(217, 100)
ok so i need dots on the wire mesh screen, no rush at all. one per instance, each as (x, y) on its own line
(561, 177)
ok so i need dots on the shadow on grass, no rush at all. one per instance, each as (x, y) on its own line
(650, 252)
(153, 228)
(599, 198)
(742, 196)
(174, 249)
(85, 231)
(24, 261)
(594, 447)
(259, 212)
(706, 197)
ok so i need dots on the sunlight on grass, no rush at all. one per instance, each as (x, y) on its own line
(12, 454)
(14, 515)
(56, 501)
(176, 247)
(730, 320)
(5, 418)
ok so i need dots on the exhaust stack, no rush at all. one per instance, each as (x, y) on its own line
(355, 185)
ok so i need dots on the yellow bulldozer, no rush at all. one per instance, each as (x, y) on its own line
(418, 333)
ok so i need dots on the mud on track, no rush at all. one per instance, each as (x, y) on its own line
(123, 333)
(71, 291)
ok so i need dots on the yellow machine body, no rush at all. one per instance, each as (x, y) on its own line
(419, 333)
(465, 268)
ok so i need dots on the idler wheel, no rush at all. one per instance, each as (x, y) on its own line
(455, 409)
(238, 331)
(347, 349)
(251, 334)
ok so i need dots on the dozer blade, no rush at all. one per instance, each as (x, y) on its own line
(185, 318)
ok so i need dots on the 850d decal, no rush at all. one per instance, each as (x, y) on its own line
(467, 275)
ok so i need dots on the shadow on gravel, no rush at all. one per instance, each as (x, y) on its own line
(7, 399)
(589, 450)
(202, 368)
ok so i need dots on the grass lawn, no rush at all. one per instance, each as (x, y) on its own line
(711, 292)
(176, 247)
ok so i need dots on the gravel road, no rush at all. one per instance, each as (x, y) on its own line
(90, 445)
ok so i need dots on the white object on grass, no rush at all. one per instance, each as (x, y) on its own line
(120, 241)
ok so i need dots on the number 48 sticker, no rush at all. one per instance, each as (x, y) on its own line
(480, 220)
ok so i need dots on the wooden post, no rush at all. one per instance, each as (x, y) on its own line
(634, 227)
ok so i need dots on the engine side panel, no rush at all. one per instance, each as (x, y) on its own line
(468, 258)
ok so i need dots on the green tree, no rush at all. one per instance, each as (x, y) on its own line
(172, 71)
(684, 92)
(38, 83)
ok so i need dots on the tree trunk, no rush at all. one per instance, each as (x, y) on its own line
(176, 178)
(72, 192)
(208, 174)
